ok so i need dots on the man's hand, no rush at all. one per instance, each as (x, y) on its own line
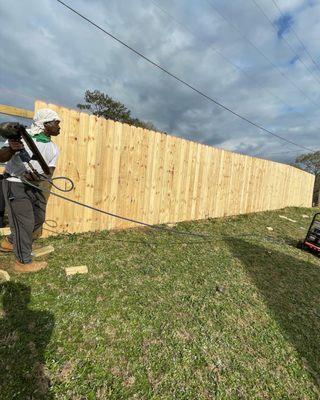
(15, 145)
(31, 176)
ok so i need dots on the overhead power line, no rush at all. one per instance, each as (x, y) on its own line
(234, 27)
(286, 41)
(297, 37)
(181, 80)
(277, 152)
(243, 71)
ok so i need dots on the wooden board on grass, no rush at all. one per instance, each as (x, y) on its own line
(81, 269)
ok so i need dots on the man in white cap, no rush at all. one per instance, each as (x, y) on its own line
(26, 205)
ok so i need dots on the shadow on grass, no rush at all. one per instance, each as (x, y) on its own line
(24, 335)
(291, 289)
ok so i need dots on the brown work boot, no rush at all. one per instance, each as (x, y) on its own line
(34, 266)
(6, 246)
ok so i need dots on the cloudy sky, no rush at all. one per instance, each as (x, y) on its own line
(245, 54)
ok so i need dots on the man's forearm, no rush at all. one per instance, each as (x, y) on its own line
(5, 154)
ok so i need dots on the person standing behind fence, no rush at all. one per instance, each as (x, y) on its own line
(27, 205)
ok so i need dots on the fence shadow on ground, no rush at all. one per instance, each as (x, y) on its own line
(291, 290)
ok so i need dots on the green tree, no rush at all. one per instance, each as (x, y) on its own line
(102, 105)
(309, 162)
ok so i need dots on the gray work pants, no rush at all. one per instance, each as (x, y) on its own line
(26, 212)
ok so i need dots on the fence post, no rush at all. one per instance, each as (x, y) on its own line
(316, 192)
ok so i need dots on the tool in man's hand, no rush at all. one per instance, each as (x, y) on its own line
(16, 131)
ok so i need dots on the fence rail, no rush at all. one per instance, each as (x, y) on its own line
(158, 178)
(17, 112)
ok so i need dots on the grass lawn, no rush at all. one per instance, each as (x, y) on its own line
(163, 316)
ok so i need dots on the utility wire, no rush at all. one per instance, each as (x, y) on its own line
(181, 80)
(286, 41)
(280, 152)
(243, 71)
(297, 37)
(227, 20)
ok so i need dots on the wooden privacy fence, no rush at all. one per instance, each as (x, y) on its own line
(157, 178)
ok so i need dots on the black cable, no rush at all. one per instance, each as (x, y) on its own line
(181, 80)
(207, 238)
(43, 178)
(60, 178)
